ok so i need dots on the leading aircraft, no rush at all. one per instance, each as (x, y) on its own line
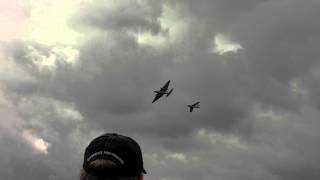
(162, 91)
(192, 106)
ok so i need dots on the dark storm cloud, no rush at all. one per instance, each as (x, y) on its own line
(252, 124)
(281, 47)
(284, 46)
(313, 89)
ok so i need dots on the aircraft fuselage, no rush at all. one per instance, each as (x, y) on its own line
(193, 106)
(161, 92)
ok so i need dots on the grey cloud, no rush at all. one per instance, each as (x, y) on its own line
(281, 46)
(113, 83)
(309, 84)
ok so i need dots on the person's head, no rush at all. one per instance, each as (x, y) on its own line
(112, 157)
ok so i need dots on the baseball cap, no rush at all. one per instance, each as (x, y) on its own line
(123, 152)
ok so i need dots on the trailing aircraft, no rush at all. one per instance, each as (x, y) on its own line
(192, 106)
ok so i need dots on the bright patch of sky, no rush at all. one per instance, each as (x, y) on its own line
(229, 141)
(45, 22)
(178, 156)
(171, 21)
(37, 143)
(65, 112)
(41, 61)
(173, 28)
(13, 19)
(148, 39)
(68, 54)
(58, 54)
(222, 44)
(48, 21)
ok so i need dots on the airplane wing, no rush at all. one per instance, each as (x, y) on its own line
(165, 87)
(196, 103)
(158, 95)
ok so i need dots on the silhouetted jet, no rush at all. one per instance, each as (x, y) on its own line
(162, 91)
(192, 106)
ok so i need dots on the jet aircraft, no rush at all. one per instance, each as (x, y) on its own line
(162, 91)
(192, 106)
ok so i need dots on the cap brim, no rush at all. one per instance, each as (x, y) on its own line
(144, 171)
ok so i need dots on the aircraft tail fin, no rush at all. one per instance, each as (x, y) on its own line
(169, 92)
(191, 108)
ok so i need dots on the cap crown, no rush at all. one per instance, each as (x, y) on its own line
(122, 152)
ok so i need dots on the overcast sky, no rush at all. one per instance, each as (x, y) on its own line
(71, 70)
